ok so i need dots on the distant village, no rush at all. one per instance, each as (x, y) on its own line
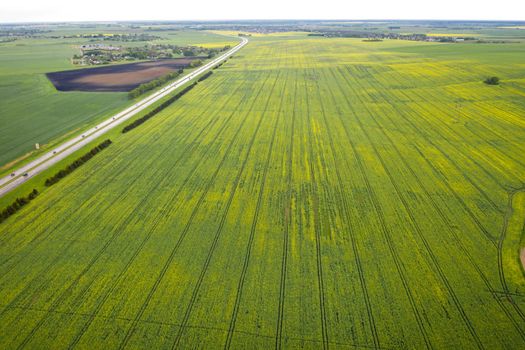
(373, 36)
(98, 54)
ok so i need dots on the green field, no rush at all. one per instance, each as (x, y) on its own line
(312, 193)
(33, 111)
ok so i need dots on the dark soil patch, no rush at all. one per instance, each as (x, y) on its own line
(120, 77)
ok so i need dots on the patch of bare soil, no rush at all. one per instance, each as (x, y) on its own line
(119, 77)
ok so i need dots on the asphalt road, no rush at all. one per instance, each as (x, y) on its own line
(43, 162)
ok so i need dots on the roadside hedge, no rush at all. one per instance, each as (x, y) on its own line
(17, 205)
(142, 88)
(71, 167)
(220, 64)
(205, 76)
(150, 114)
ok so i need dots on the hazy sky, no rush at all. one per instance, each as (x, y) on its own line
(107, 10)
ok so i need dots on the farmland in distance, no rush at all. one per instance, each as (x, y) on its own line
(313, 192)
(33, 111)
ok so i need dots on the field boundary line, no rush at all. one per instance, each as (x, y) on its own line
(171, 324)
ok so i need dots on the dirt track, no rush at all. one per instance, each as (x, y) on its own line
(119, 77)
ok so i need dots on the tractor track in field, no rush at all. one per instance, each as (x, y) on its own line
(469, 211)
(454, 235)
(83, 181)
(57, 258)
(455, 165)
(196, 289)
(45, 161)
(501, 240)
(84, 204)
(481, 106)
(485, 232)
(459, 199)
(386, 100)
(288, 222)
(64, 294)
(461, 137)
(183, 234)
(253, 228)
(419, 232)
(440, 108)
(453, 162)
(166, 207)
(385, 231)
(201, 327)
(456, 238)
(480, 123)
(317, 226)
(355, 248)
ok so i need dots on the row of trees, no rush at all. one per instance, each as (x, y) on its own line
(71, 167)
(142, 88)
(191, 51)
(195, 63)
(220, 64)
(156, 110)
(17, 205)
(205, 76)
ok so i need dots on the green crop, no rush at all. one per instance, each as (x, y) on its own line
(314, 193)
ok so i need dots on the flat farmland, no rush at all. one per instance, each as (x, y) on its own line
(118, 77)
(33, 111)
(312, 193)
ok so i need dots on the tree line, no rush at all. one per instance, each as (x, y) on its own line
(142, 88)
(157, 109)
(71, 167)
(205, 76)
(17, 205)
(220, 64)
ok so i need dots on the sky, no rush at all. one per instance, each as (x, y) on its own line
(129, 10)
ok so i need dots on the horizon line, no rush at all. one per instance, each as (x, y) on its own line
(258, 20)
